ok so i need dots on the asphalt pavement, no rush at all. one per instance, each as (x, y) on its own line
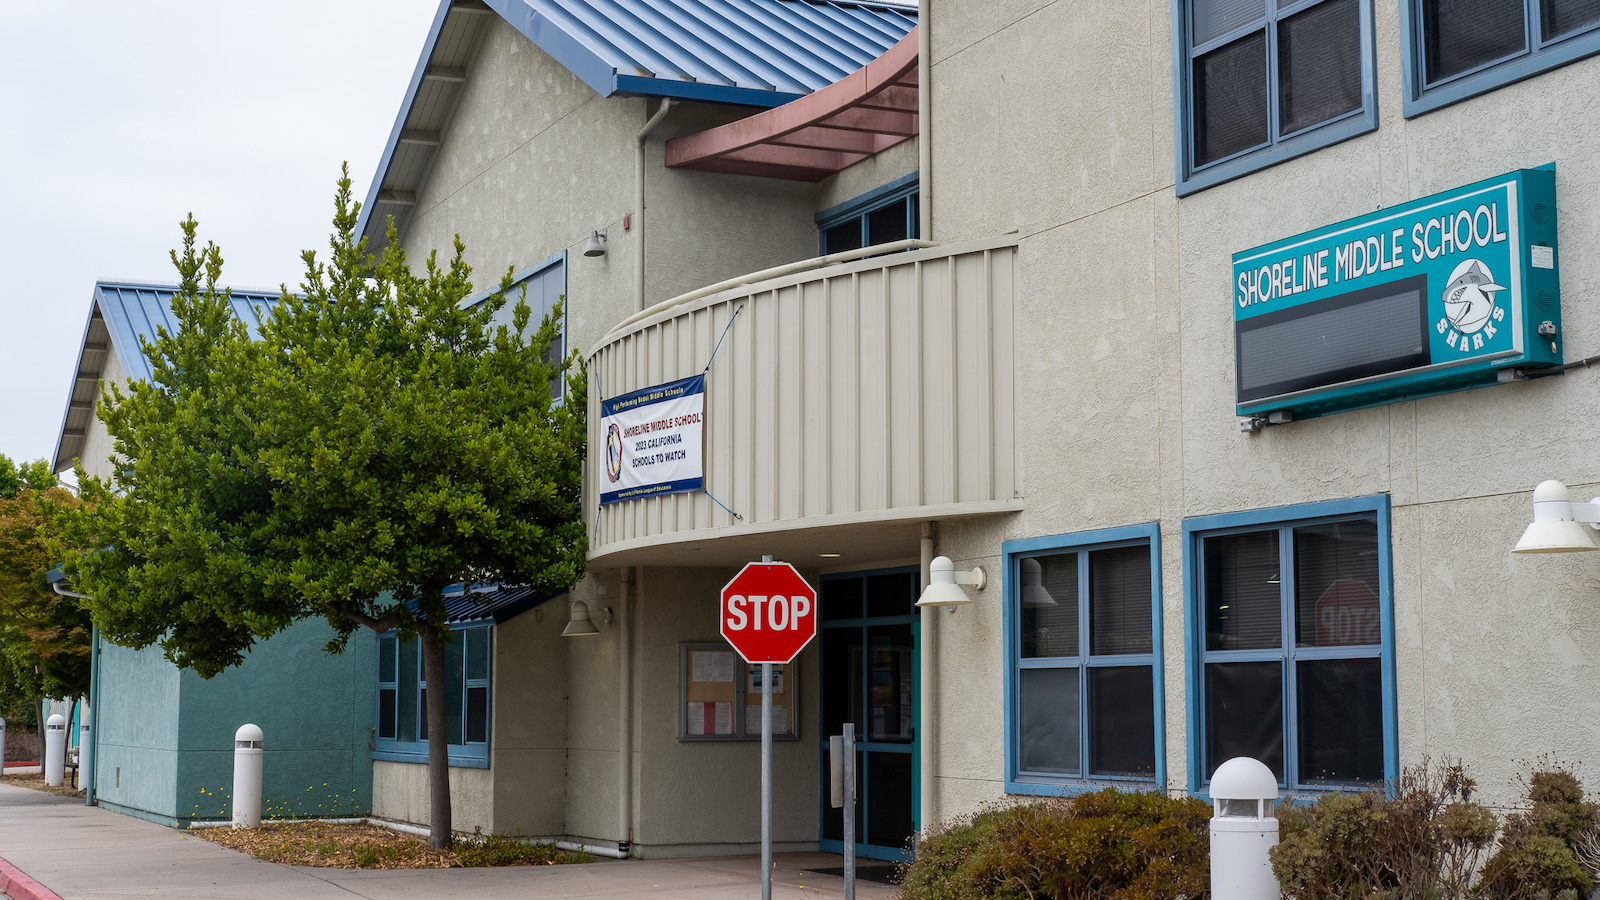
(55, 847)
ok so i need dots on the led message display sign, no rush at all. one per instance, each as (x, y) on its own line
(1435, 295)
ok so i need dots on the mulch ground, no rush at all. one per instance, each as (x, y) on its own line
(363, 846)
(36, 782)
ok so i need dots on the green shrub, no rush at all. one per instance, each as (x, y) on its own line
(1421, 839)
(1110, 844)
(1547, 851)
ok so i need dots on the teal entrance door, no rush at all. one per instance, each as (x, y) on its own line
(869, 677)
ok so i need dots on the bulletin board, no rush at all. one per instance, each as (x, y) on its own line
(719, 695)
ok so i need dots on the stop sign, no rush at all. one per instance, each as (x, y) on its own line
(768, 612)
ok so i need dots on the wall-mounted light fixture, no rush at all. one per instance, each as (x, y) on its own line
(579, 623)
(944, 583)
(597, 244)
(1555, 527)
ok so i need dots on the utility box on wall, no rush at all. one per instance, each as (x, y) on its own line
(1436, 295)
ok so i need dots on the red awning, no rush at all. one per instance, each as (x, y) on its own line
(866, 112)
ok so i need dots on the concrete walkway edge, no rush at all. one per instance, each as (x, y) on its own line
(15, 882)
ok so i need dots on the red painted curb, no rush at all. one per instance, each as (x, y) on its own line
(20, 886)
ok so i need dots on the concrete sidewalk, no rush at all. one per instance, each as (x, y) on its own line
(86, 853)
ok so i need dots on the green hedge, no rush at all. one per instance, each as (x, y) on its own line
(1111, 844)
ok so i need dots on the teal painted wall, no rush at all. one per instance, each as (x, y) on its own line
(136, 730)
(315, 711)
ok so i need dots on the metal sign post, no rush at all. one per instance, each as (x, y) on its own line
(842, 795)
(849, 810)
(768, 615)
(766, 780)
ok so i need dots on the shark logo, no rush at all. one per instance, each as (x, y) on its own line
(1469, 298)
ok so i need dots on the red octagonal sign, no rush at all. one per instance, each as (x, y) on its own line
(768, 612)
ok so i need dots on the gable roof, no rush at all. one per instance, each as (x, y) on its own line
(120, 315)
(761, 53)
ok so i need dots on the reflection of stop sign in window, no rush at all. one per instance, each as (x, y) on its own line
(1347, 613)
(768, 612)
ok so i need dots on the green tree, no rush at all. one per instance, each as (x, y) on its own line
(44, 636)
(377, 444)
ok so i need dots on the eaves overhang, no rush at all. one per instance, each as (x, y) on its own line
(756, 53)
(121, 316)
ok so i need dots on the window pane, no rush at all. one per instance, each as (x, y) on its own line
(1215, 18)
(1243, 599)
(841, 599)
(1230, 98)
(1563, 17)
(1319, 64)
(477, 715)
(1049, 605)
(1463, 34)
(1047, 721)
(1244, 714)
(386, 713)
(407, 703)
(454, 666)
(843, 237)
(916, 221)
(888, 788)
(841, 680)
(422, 714)
(1119, 601)
(890, 691)
(477, 654)
(892, 595)
(1341, 720)
(386, 660)
(887, 224)
(1336, 584)
(1122, 729)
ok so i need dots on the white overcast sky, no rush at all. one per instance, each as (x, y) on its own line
(118, 118)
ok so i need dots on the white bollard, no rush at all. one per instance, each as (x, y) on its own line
(247, 755)
(1243, 831)
(84, 743)
(55, 751)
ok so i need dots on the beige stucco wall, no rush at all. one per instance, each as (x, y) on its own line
(97, 443)
(1056, 119)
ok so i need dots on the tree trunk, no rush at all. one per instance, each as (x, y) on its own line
(439, 832)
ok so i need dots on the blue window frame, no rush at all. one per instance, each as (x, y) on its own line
(1263, 81)
(546, 283)
(880, 216)
(1455, 49)
(1083, 692)
(1289, 634)
(402, 697)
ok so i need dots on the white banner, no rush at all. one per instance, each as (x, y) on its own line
(652, 441)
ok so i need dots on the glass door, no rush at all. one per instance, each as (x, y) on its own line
(869, 677)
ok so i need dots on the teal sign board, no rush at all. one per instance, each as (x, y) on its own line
(1435, 295)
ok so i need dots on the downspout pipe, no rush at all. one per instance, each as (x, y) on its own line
(924, 131)
(929, 676)
(624, 719)
(638, 203)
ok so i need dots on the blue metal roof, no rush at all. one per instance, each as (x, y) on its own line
(134, 311)
(490, 604)
(755, 52)
(121, 314)
(761, 53)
